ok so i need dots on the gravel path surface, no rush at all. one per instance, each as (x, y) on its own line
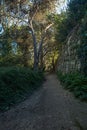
(50, 108)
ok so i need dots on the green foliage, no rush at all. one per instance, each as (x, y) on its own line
(75, 13)
(61, 27)
(82, 54)
(5, 47)
(82, 50)
(11, 60)
(75, 82)
(17, 83)
(77, 10)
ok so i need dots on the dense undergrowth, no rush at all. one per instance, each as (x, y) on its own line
(16, 84)
(76, 83)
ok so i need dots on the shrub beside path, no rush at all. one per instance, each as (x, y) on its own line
(50, 108)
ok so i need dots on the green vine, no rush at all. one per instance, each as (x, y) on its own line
(82, 51)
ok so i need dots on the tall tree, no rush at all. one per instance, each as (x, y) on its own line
(30, 13)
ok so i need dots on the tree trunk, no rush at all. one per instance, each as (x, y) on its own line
(36, 58)
(37, 53)
(25, 56)
(53, 64)
(41, 59)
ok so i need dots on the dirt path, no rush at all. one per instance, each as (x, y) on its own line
(50, 108)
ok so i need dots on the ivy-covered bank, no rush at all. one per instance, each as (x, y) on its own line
(16, 84)
(82, 50)
(76, 83)
(73, 54)
(72, 34)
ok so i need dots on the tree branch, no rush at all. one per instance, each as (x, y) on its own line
(43, 36)
(48, 27)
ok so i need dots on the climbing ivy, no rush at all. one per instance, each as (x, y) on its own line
(82, 51)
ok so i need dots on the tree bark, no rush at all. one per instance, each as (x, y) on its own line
(36, 60)
(25, 56)
(41, 59)
(37, 52)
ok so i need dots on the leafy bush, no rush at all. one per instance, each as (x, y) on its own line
(16, 83)
(75, 82)
(11, 60)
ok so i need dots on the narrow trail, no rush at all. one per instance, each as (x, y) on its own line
(50, 108)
